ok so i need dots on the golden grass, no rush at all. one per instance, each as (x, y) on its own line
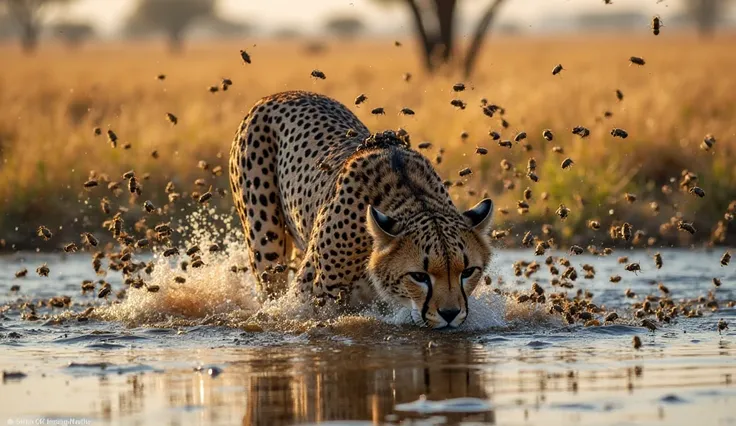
(50, 103)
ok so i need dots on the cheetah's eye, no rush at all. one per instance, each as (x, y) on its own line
(420, 277)
(468, 273)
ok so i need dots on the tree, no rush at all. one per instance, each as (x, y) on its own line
(173, 17)
(434, 26)
(29, 16)
(344, 26)
(706, 14)
(73, 33)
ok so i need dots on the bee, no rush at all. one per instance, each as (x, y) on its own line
(464, 135)
(90, 184)
(619, 95)
(406, 76)
(213, 89)
(494, 135)
(540, 249)
(607, 114)
(172, 118)
(481, 151)
(21, 273)
(619, 133)
(613, 316)
(192, 250)
(654, 206)
(44, 233)
(548, 135)
(528, 194)
(581, 131)
(656, 24)
(360, 99)
(636, 341)
(214, 248)
(148, 206)
(716, 282)
(533, 177)
(197, 263)
(104, 291)
(697, 191)
(153, 288)
(378, 111)
(180, 280)
(576, 249)
(173, 251)
(204, 197)
(637, 60)
(728, 217)
(504, 124)
(649, 324)
(531, 165)
(142, 243)
(629, 197)
(245, 56)
(726, 258)
(397, 43)
(406, 111)
(200, 182)
(615, 278)
(536, 288)
(318, 74)
(522, 204)
(465, 172)
(708, 142)
(658, 260)
(226, 82)
(557, 69)
(594, 225)
(217, 171)
(633, 267)
(89, 239)
(562, 212)
(527, 239)
(558, 150)
(505, 144)
(424, 145)
(42, 271)
(97, 131)
(685, 226)
(520, 137)
(626, 231)
(567, 163)
(112, 138)
(133, 185)
(522, 298)
(458, 87)
(722, 325)
(70, 248)
(458, 103)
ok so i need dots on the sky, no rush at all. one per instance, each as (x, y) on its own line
(308, 15)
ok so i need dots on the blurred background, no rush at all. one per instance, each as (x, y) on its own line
(75, 70)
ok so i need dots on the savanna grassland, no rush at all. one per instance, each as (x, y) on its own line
(50, 103)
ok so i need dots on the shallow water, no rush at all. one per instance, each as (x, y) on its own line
(147, 359)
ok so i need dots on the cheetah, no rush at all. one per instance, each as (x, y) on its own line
(370, 216)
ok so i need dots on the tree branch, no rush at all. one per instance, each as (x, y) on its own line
(480, 33)
(419, 23)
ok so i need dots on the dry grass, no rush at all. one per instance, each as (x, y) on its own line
(50, 103)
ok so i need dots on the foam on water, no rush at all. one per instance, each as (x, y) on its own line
(214, 295)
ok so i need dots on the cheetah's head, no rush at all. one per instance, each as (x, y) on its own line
(431, 262)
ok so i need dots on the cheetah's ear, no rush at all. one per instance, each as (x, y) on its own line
(383, 228)
(480, 216)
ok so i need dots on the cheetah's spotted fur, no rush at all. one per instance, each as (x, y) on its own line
(299, 178)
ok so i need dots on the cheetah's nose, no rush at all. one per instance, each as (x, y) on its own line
(448, 314)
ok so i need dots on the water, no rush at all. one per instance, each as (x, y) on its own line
(207, 352)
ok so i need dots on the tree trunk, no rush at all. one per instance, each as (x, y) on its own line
(424, 42)
(706, 16)
(445, 10)
(176, 40)
(479, 36)
(29, 38)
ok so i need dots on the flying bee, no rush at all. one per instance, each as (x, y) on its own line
(494, 135)
(213, 89)
(636, 341)
(214, 248)
(504, 123)
(649, 324)
(562, 212)
(173, 251)
(104, 291)
(90, 184)
(528, 238)
(558, 150)
(520, 137)
(581, 131)
(481, 151)
(540, 249)
(528, 194)
(133, 185)
(172, 118)
(656, 24)
(685, 226)
(226, 82)
(633, 267)
(726, 258)
(464, 135)
(458, 87)
(626, 231)
(378, 111)
(142, 243)
(613, 316)
(152, 288)
(576, 249)
(615, 278)
(629, 197)
(197, 263)
(465, 172)
(716, 282)
(619, 133)
(406, 111)
(708, 142)
(205, 197)
(44, 233)
(522, 204)
(658, 260)
(458, 103)
(406, 76)
(567, 163)
(522, 298)
(97, 131)
(318, 74)
(89, 239)
(148, 206)
(112, 138)
(70, 248)
(548, 135)
(21, 273)
(245, 56)
(637, 60)
(505, 144)
(180, 280)
(697, 191)
(533, 177)
(557, 69)
(531, 165)
(619, 95)
(192, 250)
(537, 289)
(42, 271)
(594, 225)
(360, 99)
(722, 325)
